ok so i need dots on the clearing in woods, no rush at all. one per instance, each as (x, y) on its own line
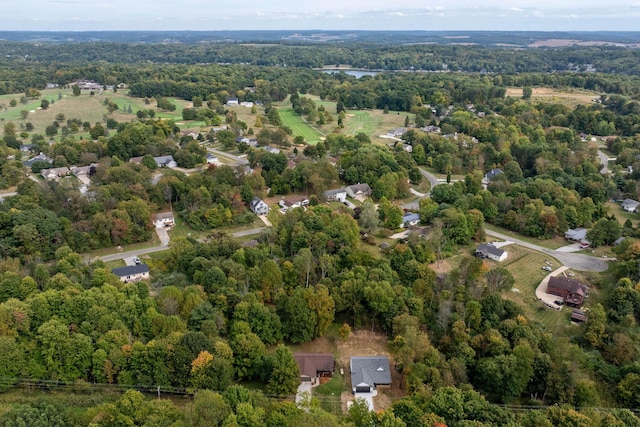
(547, 94)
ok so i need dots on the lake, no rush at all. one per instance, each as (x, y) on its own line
(356, 73)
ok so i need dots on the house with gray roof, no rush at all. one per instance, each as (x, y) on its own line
(488, 250)
(258, 206)
(339, 195)
(359, 191)
(630, 205)
(132, 273)
(39, 158)
(369, 373)
(409, 219)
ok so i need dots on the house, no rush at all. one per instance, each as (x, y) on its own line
(132, 273)
(165, 162)
(39, 158)
(432, 129)
(369, 373)
(578, 316)
(54, 174)
(409, 219)
(618, 241)
(25, 148)
(571, 290)
(630, 205)
(293, 202)
(232, 101)
(163, 219)
(271, 150)
(577, 235)
(83, 171)
(161, 161)
(258, 206)
(359, 191)
(492, 174)
(488, 250)
(339, 195)
(314, 365)
(211, 159)
(247, 104)
(248, 141)
(396, 133)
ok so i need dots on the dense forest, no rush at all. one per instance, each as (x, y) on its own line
(219, 317)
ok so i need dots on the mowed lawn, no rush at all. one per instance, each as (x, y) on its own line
(299, 127)
(621, 215)
(526, 267)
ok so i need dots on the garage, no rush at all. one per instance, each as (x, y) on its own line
(363, 388)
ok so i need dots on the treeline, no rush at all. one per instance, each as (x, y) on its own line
(375, 56)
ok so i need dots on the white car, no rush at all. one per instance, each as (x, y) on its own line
(136, 260)
(546, 268)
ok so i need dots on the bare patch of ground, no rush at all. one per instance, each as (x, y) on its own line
(443, 266)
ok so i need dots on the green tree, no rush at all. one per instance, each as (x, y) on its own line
(285, 375)
(76, 90)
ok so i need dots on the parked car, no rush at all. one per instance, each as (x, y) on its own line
(558, 302)
(546, 268)
(136, 260)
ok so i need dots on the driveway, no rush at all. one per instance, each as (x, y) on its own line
(548, 299)
(163, 235)
(367, 397)
(575, 261)
(433, 181)
(304, 392)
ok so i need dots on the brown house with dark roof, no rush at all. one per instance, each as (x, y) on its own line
(313, 365)
(572, 291)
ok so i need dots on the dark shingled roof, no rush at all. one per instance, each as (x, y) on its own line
(370, 370)
(130, 270)
(312, 363)
(571, 285)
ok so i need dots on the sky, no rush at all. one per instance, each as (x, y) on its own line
(543, 15)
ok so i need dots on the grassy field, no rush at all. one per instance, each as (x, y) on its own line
(526, 267)
(546, 94)
(621, 215)
(299, 127)
(555, 243)
(329, 394)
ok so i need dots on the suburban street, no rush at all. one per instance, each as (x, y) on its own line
(239, 160)
(575, 261)
(433, 181)
(131, 254)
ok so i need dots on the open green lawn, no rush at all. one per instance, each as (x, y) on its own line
(526, 267)
(329, 394)
(555, 243)
(621, 215)
(299, 127)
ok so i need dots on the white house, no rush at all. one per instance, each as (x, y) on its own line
(132, 273)
(630, 205)
(258, 206)
(232, 101)
(396, 133)
(163, 219)
(339, 195)
(293, 202)
(488, 250)
(359, 191)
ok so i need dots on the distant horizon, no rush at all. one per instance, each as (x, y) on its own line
(286, 15)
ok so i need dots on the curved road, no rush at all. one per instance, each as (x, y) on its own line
(575, 261)
(433, 181)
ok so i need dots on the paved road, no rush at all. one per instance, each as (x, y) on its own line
(433, 181)
(3, 195)
(580, 262)
(239, 160)
(137, 252)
